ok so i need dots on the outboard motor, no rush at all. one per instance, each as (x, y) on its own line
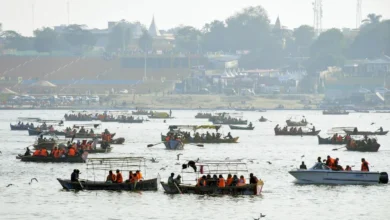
(383, 178)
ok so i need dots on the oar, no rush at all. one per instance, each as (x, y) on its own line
(151, 145)
(199, 145)
(177, 188)
(338, 148)
(82, 187)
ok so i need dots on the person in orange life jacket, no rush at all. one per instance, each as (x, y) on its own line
(336, 165)
(329, 161)
(37, 153)
(229, 180)
(44, 152)
(139, 175)
(119, 178)
(364, 166)
(111, 177)
(202, 181)
(221, 181)
(252, 179)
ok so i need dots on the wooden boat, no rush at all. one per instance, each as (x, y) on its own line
(174, 145)
(85, 135)
(204, 141)
(241, 128)
(232, 122)
(296, 123)
(35, 132)
(362, 111)
(125, 164)
(329, 141)
(116, 141)
(248, 189)
(363, 147)
(199, 168)
(77, 159)
(304, 133)
(135, 121)
(19, 127)
(365, 132)
(335, 112)
(203, 115)
(263, 120)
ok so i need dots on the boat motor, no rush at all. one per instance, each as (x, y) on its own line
(383, 178)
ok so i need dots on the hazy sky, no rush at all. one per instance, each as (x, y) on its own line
(17, 14)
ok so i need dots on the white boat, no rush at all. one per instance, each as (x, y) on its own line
(322, 174)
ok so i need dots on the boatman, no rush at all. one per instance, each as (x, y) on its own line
(303, 166)
(74, 176)
(171, 180)
(381, 129)
(364, 167)
(250, 124)
(252, 179)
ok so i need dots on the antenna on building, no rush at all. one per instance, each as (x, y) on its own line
(33, 16)
(68, 10)
(358, 13)
(317, 8)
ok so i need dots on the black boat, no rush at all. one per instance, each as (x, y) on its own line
(232, 127)
(144, 185)
(304, 133)
(330, 141)
(49, 159)
(116, 141)
(19, 127)
(35, 132)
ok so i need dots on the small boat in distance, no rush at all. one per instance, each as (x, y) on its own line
(233, 127)
(335, 112)
(322, 174)
(355, 131)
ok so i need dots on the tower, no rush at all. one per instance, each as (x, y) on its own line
(358, 13)
(317, 8)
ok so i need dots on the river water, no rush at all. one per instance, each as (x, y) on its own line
(281, 198)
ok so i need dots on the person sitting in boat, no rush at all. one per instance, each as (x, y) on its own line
(229, 136)
(285, 129)
(74, 177)
(364, 166)
(369, 142)
(28, 152)
(300, 130)
(201, 181)
(336, 166)
(119, 178)
(44, 126)
(43, 152)
(111, 178)
(177, 180)
(37, 153)
(171, 180)
(229, 180)
(355, 130)
(276, 128)
(51, 128)
(218, 136)
(253, 179)
(329, 161)
(82, 130)
(19, 123)
(250, 125)
(235, 180)
(381, 129)
(71, 151)
(221, 182)
(348, 168)
(339, 139)
(241, 181)
(208, 136)
(313, 129)
(303, 166)
(91, 131)
(139, 175)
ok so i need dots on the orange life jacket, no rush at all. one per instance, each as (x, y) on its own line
(71, 152)
(201, 182)
(365, 166)
(221, 182)
(37, 153)
(43, 152)
(229, 181)
(111, 177)
(56, 153)
(61, 152)
(139, 175)
(119, 178)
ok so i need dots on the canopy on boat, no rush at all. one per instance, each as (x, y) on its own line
(124, 164)
(194, 127)
(29, 119)
(296, 118)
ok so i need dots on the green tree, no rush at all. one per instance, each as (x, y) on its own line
(120, 36)
(78, 37)
(327, 50)
(145, 42)
(303, 38)
(45, 40)
(248, 29)
(372, 19)
(14, 40)
(214, 36)
(187, 39)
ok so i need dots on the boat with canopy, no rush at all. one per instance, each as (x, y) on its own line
(297, 121)
(99, 169)
(192, 170)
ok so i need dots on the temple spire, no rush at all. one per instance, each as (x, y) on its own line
(277, 26)
(153, 31)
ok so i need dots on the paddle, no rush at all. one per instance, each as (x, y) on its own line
(338, 148)
(151, 145)
(177, 188)
(82, 187)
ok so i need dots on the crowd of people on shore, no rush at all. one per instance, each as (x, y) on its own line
(334, 165)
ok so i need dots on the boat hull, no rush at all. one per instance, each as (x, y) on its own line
(204, 141)
(132, 121)
(372, 148)
(329, 141)
(40, 159)
(248, 189)
(335, 113)
(78, 135)
(232, 127)
(18, 128)
(33, 132)
(145, 185)
(174, 145)
(365, 132)
(282, 133)
(116, 141)
(336, 177)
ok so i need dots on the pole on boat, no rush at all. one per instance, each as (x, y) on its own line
(151, 145)
(177, 188)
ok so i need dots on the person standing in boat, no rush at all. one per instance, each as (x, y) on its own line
(381, 129)
(253, 179)
(229, 136)
(28, 152)
(74, 177)
(303, 166)
(364, 166)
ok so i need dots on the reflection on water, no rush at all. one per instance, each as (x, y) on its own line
(281, 199)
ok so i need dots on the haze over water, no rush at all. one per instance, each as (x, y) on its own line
(281, 198)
